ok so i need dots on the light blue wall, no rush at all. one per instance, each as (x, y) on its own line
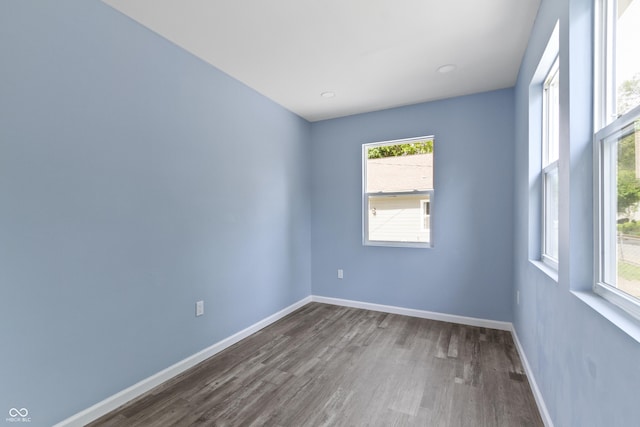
(469, 271)
(586, 367)
(134, 180)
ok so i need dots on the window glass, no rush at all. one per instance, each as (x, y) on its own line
(627, 56)
(551, 214)
(622, 270)
(550, 155)
(551, 122)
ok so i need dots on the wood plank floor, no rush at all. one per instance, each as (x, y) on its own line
(326, 365)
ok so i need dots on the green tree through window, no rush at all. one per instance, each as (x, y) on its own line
(628, 182)
(420, 147)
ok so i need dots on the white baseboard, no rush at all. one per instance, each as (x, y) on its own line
(542, 407)
(101, 408)
(471, 321)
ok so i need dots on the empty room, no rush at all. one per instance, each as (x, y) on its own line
(319, 213)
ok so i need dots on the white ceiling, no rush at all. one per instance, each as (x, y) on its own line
(374, 54)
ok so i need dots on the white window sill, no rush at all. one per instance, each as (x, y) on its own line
(609, 311)
(419, 245)
(546, 269)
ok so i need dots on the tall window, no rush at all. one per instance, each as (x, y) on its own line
(398, 192)
(617, 158)
(550, 152)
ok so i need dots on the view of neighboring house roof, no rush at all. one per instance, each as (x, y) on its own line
(402, 173)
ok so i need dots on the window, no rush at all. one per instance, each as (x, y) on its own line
(398, 192)
(543, 164)
(550, 154)
(617, 153)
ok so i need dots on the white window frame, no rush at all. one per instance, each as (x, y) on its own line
(548, 167)
(365, 197)
(608, 129)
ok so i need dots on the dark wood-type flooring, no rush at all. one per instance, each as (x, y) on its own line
(327, 365)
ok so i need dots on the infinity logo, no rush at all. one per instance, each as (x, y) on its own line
(23, 412)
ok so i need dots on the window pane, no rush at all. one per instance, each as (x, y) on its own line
(398, 218)
(400, 167)
(627, 263)
(551, 213)
(627, 56)
(552, 116)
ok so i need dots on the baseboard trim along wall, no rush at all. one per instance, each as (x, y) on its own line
(462, 320)
(542, 407)
(109, 404)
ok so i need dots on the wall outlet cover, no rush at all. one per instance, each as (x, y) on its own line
(199, 308)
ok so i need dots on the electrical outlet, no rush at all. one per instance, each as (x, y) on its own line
(340, 273)
(199, 308)
(518, 297)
